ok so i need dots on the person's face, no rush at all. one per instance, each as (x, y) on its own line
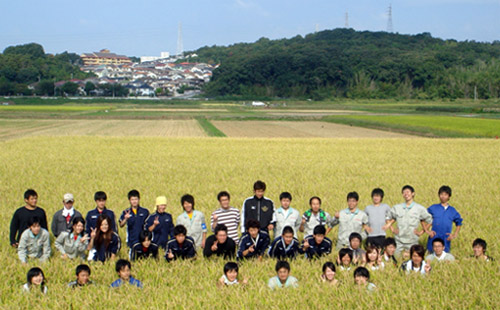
(146, 243)
(224, 202)
(360, 280)
(408, 195)
(188, 207)
(346, 260)
(390, 249)
(352, 203)
(124, 273)
(444, 197)
(285, 203)
(104, 226)
(315, 205)
(355, 243)
(31, 201)
(180, 238)
(478, 250)
(68, 204)
(37, 280)
(377, 199)
(416, 259)
(373, 256)
(438, 248)
(78, 228)
(329, 274)
(35, 228)
(288, 237)
(161, 208)
(232, 275)
(101, 203)
(253, 232)
(283, 274)
(259, 193)
(83, 277)
(134, 202)
(318, 238)
(221, 236)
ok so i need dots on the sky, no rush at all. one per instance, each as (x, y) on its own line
(148, 27)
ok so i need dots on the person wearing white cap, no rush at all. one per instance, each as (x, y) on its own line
(63, 218)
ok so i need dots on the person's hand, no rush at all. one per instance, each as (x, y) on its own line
(156, 222)
(215, 217)
(245, 280)
(432, 233)
(251, 249)
(170, 255)
(270, 227)
(369, 229)
(203, 243)
(85, 238)
(337, 214)
(418, 232)
(93, 233)
(451, 236)
(427, 267)
(338, 260)
(395, 230)
(15, 245)
(127, 215)
(303, 221)
(64, 256)
(306, 244)
(214, 247)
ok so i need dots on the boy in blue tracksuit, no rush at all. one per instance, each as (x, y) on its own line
(316, 245)
(134, 217)
(91, 218)
(254, 242)
(160, 223)
(443, 217)
(285, 246)
(182, 246)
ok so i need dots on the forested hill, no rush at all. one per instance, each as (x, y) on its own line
(25, 64)
(348, 63)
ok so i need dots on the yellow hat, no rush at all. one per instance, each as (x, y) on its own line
(161, 200)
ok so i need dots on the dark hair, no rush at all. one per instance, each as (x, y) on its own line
(445, 189)
(259, 185)
(230, 266)
(355, 235)
(319, 230)
(389, 241)
(100, 196)
(33, 272)
(328, 265)
(353, 195)
(362, 272)
(314, 197)
(417, 248)
(378, 191)
(251, 223)
(370, 249)
(408, 187)
(34, 220)
(122, 263)
(145, 234)
(287, 230)
(438, 240)
(187, 198)
(480, 242)
(223, 194)
(77, 220)
(220, 227)
(285, 195)
(345, 251)
(81, 268)
(29, 193)
(180, 230)
(282, 264)
(133, 193)
(103, 238)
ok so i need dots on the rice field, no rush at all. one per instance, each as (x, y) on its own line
(202, 167)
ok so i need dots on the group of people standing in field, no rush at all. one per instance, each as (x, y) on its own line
(96, 238)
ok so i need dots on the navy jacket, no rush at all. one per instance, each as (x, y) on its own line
(187, 250)
(316, 250)
(135, 224)
(261, 245)
(261, 210)
(139, 253)
(104, 252)
(280, 251)
(163, 232)
(91, 219)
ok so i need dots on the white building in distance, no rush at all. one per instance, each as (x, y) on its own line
(163, 55)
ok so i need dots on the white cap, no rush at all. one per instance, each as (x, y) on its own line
(68, 197)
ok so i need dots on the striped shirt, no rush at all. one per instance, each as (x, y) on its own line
(230, 218)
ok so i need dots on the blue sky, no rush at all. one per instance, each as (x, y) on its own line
(147, 27)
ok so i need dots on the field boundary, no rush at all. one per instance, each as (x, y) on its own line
(209, 128)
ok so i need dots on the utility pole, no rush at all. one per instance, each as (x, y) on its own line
(180, 47)
(389, 19)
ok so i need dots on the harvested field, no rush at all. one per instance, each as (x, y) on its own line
(286, 129)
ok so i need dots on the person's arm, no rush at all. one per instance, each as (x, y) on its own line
(124, 217)
(22, 248)
(458, 225)
(170, 228)
(59, 243)
(114, 245)
(207, 250)
(303, 221)
(53, 227)
(14, 227)
(45, 246)
(43, 220)
(271, 225)
(242, 218)
(92, 237)
(113, 220)
(213, 221)
(204, 230)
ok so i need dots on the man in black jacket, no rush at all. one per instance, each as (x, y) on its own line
(219, 244)
(258, 208)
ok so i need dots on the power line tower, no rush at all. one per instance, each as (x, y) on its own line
(180, 47)
(346, 19)
(389, 19)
